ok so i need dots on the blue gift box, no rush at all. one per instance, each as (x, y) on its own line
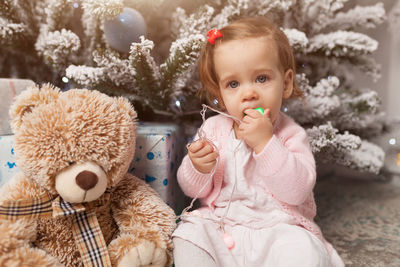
(8, 168)
(159, 151)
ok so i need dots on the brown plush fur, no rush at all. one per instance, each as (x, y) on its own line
(53, 129)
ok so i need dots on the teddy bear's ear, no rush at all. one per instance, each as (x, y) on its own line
(30, 98)
(124, 105)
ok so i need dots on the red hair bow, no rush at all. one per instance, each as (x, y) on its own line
(213, 35)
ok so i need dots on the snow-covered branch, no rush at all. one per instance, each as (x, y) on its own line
(57, 47)
(342, 44)
(103, 9)
(86, 76)
(359, 16)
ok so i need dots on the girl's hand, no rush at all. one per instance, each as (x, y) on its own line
(203, 156)
(256, 129)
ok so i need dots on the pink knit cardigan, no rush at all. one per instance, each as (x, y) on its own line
(286, 166)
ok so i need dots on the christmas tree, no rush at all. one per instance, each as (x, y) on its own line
(48, 41)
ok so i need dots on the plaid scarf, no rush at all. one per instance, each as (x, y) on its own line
(86, 229)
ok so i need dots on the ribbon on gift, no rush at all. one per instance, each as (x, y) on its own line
(86, 229)
(12, 88)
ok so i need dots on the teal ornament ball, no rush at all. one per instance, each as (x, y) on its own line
(124, 30)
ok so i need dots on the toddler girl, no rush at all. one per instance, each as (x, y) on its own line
(254, 173)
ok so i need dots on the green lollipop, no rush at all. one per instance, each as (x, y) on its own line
(260, 109)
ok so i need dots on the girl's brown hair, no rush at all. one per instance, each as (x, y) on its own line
(245, 28)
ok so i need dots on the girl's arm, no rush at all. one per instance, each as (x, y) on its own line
(191, 181)
(287, 167)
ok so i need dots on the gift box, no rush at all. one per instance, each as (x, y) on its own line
(8, 168)
(9, 88)
(159, 151)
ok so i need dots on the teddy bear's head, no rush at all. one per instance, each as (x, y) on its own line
(74, 143)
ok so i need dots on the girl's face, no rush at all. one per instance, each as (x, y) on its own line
(250, 76)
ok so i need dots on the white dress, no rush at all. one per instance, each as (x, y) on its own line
(263, 234)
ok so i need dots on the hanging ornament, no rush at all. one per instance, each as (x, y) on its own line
(66, 84)
(390, 143)
(124, 30)
(176, 103)
(228, 240)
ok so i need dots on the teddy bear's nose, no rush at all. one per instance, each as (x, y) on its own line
(86, 180)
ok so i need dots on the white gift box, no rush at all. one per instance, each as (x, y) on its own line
(159, 150)
(9, 88)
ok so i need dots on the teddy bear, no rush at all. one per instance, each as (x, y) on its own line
(74, 202)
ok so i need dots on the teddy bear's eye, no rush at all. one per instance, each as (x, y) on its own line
(70, 163)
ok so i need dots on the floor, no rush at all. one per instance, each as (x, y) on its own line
(361, 219)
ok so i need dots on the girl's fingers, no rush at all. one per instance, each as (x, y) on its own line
(205, 165)
(267, 113)
(246, 119)
(196, 146)
(205, 150)
(252, 113)
(240, 128)
(209, 166)
(212, 157)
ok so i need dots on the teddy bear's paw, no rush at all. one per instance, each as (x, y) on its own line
(145, 254)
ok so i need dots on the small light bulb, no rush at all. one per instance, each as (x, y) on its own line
(392, 141)
(215, 101)
(178, 103)
(65, 79)
(76, 5)
(285, 109)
